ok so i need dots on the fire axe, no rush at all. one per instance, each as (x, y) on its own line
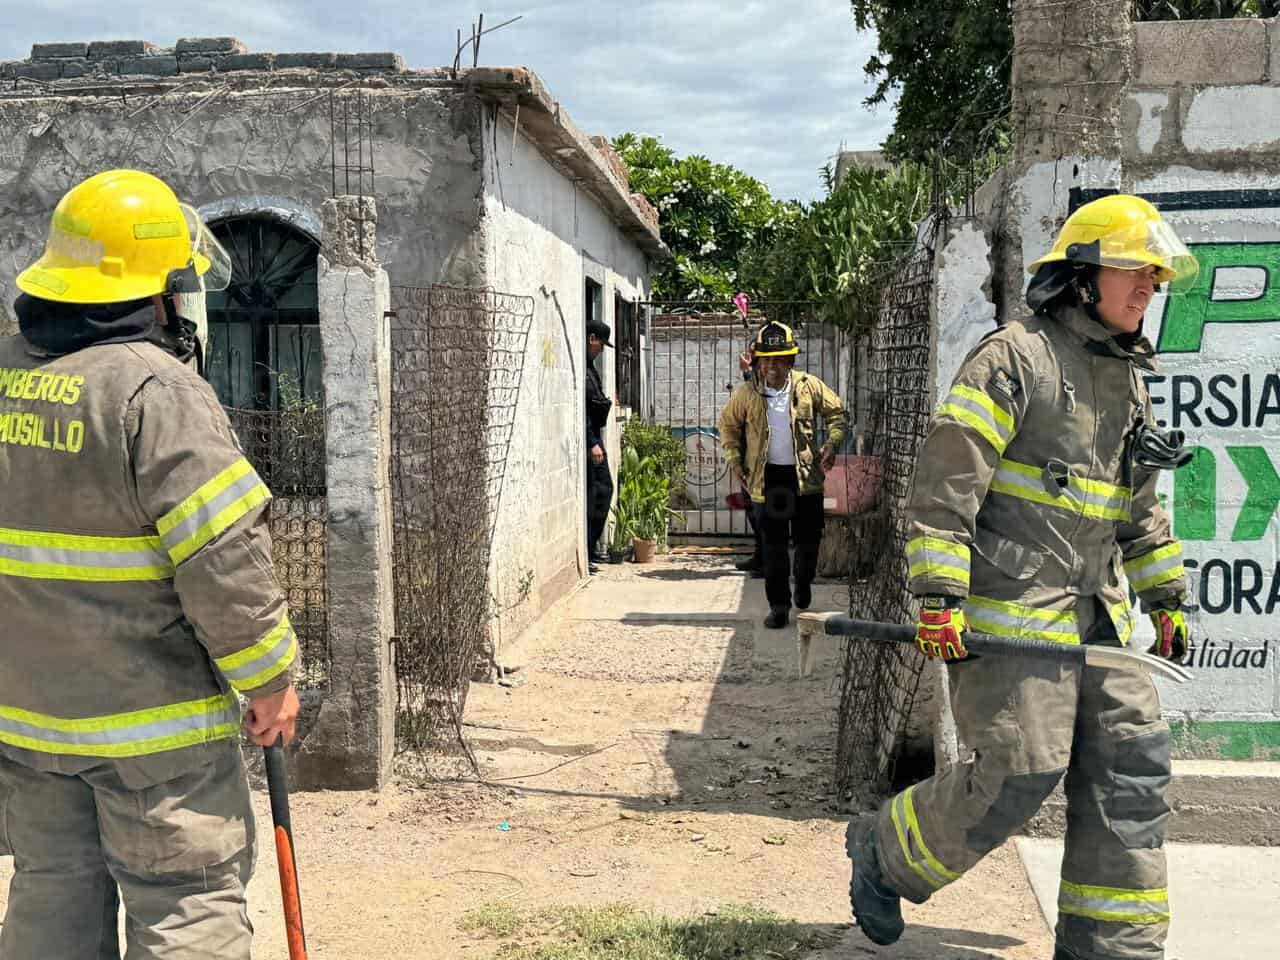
(1111, 658)
(278, 788)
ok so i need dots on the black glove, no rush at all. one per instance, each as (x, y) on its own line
(1155, 449)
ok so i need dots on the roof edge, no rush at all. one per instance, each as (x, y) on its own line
(546, 124)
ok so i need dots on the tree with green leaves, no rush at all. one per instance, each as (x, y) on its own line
(710, 214)
(835, 253)
(949, 62)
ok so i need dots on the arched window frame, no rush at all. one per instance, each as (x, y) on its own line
(264, 350)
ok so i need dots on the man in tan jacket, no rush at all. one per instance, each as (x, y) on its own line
(138, 594)
(784, 470)
(1033, 513)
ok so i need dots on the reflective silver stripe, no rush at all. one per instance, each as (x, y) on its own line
(1114, 909)
(926, 561)
(965, 403)
(907, 833)
(1009, 619)
(1153, 569)
(119, 736)
(64, 556)
(1125, 619)
(1075, 497)
(264, 662)
(206, 512)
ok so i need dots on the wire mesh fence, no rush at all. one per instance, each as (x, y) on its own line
(457, 366)
(287, 448)
(879, 683)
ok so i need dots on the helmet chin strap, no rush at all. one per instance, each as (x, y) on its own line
(182, 333)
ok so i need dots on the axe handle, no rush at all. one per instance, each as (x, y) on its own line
(835, 625)
(278, 788)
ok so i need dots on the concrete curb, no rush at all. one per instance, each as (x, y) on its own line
(1218, 802)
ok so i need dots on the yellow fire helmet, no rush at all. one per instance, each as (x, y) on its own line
(1125, 232)
(775, 340)
(122, 235)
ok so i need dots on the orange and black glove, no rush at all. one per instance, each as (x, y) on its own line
(940, 630)
(1172, 633)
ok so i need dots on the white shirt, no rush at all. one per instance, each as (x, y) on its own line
(782, 450)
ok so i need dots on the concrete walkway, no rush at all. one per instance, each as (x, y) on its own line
(1223, 898)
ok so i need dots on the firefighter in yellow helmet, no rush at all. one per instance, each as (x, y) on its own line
(1033, 513)
(138, 595)
(774, 418)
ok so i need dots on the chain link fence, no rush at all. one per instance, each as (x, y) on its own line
(457, 366)
(287, 448)
(879, 683)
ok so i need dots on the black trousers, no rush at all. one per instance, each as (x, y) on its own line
(599, 496)
(785, 516)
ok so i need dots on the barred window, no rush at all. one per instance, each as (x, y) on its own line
(264, 329)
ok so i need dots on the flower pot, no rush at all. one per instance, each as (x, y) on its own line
(617, 555)
(644, 550)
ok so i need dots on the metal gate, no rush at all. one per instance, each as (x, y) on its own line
(694, 348)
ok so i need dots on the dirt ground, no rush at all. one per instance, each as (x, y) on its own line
(679, 766)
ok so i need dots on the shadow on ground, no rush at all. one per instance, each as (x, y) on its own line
(767, 738)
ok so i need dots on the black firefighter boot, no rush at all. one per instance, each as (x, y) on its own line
(876, 907)
(777, 617)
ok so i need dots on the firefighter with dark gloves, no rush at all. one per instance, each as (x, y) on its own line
(138, 594)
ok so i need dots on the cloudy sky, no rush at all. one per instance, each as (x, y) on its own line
(774, 87)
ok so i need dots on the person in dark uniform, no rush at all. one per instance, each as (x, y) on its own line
(599, 481)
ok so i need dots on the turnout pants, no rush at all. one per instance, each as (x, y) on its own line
(180, 854)
(1029, 724)
(784, 516)
(599, 497)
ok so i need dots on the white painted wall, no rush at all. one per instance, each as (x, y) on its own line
(542, 236)
(1231, 538)
(960, 302)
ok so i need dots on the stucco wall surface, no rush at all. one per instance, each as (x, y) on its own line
(542, 237)
(242, 146)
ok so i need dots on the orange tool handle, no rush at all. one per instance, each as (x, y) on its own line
(278, 788)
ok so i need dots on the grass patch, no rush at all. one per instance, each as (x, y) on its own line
(625, 932)
(492, 920)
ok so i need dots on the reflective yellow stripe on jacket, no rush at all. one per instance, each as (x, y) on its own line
(40, 555)
(263, 661)
(132, 734)
(212, 509)
(914, 850)
(1005, 619)
(975, 409)
(939, 560)
(1125, 619)
(1089, 498)
(1114, 904)
(1157, 567)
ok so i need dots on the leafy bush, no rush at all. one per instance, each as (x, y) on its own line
(653, 440)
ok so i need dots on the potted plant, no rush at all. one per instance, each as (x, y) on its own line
(644, 503)
(624, 529)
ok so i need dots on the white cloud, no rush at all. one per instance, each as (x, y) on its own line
(773, 88)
